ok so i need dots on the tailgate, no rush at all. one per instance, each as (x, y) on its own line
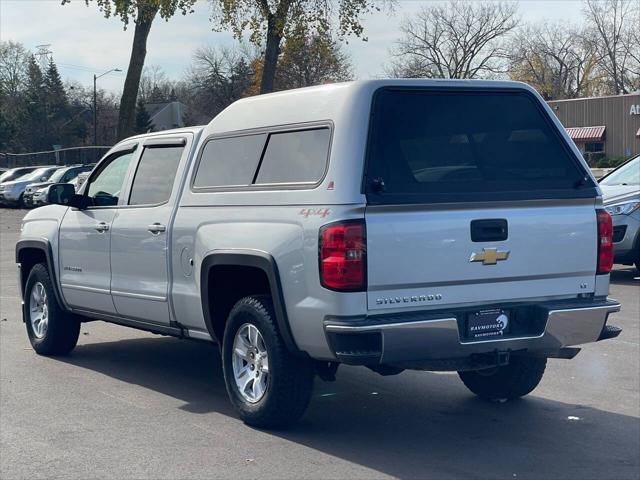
(474, 196)
(420, 256)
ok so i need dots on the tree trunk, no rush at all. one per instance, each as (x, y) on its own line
(127, 115)
(271, 53)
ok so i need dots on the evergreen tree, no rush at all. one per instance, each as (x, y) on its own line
(33, 124)
(143, 119)
(57, 101)
(56, 104)
(7, 128)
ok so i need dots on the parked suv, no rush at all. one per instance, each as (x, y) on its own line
(393, 224)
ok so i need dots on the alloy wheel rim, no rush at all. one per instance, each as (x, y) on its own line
(38, 310)
(250, 363)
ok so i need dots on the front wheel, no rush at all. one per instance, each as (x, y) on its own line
(517, 379)
(267, 385)
(51, 330)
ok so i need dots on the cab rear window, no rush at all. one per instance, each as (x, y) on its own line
(445, 145)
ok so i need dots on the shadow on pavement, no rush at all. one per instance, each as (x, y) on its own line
(624, 275)
(413, 425)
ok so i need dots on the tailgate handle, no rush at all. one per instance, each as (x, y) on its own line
(489, 230)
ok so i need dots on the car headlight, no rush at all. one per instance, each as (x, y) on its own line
(623, 208)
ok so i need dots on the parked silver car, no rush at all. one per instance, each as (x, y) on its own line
(12, 192)
(36, 193)
(15, 173)
(621, 191)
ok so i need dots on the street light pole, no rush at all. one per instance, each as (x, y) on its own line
(95, 103)
(95, 113)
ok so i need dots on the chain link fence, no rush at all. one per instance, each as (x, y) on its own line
(62, 156)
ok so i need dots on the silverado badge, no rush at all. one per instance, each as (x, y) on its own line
(489, 256)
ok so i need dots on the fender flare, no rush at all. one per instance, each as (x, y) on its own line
(248, 258)
(44, 246)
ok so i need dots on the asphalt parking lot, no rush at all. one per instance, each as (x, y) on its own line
(128, 404)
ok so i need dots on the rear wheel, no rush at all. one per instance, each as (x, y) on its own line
(517, 379)
(268, 386)
(51, 330)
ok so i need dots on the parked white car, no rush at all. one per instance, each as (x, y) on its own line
(621, 190)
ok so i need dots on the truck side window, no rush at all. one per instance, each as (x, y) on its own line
(104, 189)
(229, 161)
(295, 157)
(155, 175)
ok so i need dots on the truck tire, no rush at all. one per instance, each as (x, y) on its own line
(51, 330)
(268, 386)
(514, 380)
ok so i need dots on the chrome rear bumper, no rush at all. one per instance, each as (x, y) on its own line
(416, 340)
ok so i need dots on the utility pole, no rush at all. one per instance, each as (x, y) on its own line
(95, 112)
(95, 103)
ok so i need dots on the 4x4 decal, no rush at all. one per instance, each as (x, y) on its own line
(321, 212)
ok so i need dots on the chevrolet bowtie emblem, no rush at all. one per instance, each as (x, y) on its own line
(489, 256)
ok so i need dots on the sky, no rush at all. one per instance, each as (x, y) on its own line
(83, 42)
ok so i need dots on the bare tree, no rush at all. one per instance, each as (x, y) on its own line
(633, 50)
(218, 77)
(613, 23)
(558, 59)
(155, 86)
(13, 68)
(455, 40)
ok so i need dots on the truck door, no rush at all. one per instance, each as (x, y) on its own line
(85, 237)
(140, 233)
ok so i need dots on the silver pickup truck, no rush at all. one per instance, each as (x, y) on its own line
(393, 224)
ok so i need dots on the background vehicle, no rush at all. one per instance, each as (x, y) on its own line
(14, 173)
(35, 194)
(365, 223)
(12, 192)
(79, 181)
(621, 192)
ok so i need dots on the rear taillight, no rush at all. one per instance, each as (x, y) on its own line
(605, 242)
(343, 256)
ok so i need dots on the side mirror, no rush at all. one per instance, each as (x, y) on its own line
(64, 194)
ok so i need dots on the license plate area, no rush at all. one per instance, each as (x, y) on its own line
(487, 324)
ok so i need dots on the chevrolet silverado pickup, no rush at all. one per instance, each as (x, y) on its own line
(393, 224)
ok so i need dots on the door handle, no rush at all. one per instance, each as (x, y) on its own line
(102, 227)
(156, 228)
(489, 230)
